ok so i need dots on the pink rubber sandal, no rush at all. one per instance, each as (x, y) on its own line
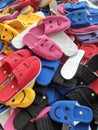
(43, 46)
(51, 25)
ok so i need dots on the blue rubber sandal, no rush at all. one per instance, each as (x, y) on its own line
(69, 7)
(70, 112)
(82, 18)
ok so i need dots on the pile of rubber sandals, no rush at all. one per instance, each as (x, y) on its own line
(48, 65)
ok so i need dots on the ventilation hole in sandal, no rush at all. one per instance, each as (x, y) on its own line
(21, 55)
(20, 75)
(90, 53)
(5, 29)
(79, 13)
(3, 36)
(13, 100)
(15, 60)
(52, 48)
(66, 117)
(59, 22)
(51, 26)
(42, 44)
(50, 21)
(66, 108)
(16, 68)
(46, 40)
(79, 19)
(27, 65)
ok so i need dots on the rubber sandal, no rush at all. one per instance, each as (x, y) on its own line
(67, 71)
(44, 47)
(51, 25)
(70, 112)
(11, 61)
(69, 7)
(9, 122)
(90, 51)
(19, 78)
(24, 116)
(82, 18)
(49, 67)
(24, 99)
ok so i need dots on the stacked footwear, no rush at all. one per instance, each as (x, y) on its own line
(48, 65)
